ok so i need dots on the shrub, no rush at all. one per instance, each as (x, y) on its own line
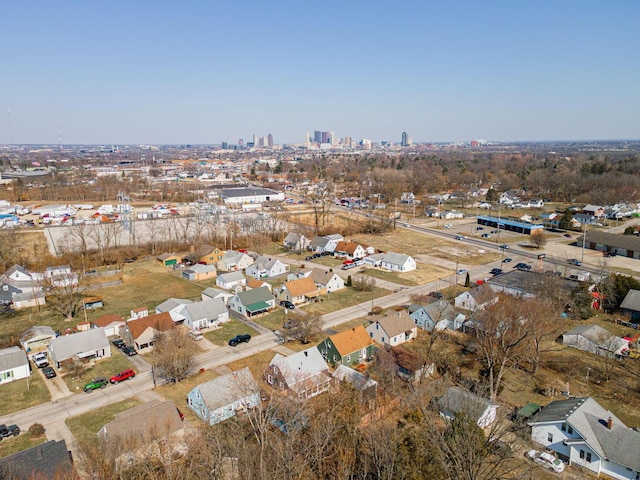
(36, 430)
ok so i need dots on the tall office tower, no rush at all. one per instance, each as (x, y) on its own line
(255, 140)
(332, 139)
(405, 140)
(307, 140)
(325, 137)
(348, 141)
(317, 136)
(225, 145)
(269, 140)
(240, 142)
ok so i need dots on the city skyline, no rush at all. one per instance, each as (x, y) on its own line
(160, 73)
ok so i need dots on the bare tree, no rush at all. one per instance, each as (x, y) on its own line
(538, 238)
(9, 249)
(65, 293)
(362, 282)
(173, 355)
(302, 326)
(321, 202)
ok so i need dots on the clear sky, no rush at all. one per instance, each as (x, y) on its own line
(218, 70)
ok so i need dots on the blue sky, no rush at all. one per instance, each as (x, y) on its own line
(212, 71)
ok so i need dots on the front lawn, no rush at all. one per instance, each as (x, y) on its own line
(21, 394)
(178, 391)
(347, 297)
(12, 445)
(256, 363)
(89, 424)
(102, 368)
(220, 336)
(273, 320)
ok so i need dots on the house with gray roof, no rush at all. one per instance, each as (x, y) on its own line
(582, 432)
(476, 298)
(438, 315)
(394, 328)
(252, 302)
(234, 261)
(326, 243)
(303, 374)
(91, 344)
(36, 339)
(366, 386)
(331, 281)
(173, 306)
(267, 267)
(631, 305)
(199, 272)
(206, 314)
(48, 461)
(14, 365)
(231, 280)
(296, 242)
(219, 399)
(458, 400)
(211, 292)
(595, 339)
(398, 262)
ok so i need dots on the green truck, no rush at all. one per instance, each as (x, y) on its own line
(95, 384)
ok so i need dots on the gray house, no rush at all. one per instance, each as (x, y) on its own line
(231, 280)
(595, 339)
(88, 345)
(458, 400)
(219, 399)
(631, 305)
(439, 315)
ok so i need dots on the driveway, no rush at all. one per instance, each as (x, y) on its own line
(56, 386)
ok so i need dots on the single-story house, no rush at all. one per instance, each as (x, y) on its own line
(37, 339)
(174, 306)
(14, 365)
(451, 214)
(476, 298)
(47, 461)
(582, 432)
(304, 374)
(231, 280)
(330, 281)
(326, 243)
(219, 399)
(410, 366)
(349, 250)
(366, 386)
(398, 262)
(168, 259)
(233, 261)
(296, 242)
(374, 260)
(350, 347)
(206, 314)
(211, 292)
(60, 276)
(267, 267)
(199, 272)
(252, 302)
(631, 305)
(300, 291)
(256, 283)
(140, 332)
(110, 323)
(29, 298)
(595, 339)
(394, 328)
(91, 344)
(206, 255)
(439, 315)
(459, 400)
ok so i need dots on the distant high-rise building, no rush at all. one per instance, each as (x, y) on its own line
(307, 140)
(317, 136)
(405, 140)
(348, 141)
(240, 142)
(332, 139)
(255, 140)
(225, 145)
(269, 140)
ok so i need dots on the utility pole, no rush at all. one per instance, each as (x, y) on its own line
(584, 238)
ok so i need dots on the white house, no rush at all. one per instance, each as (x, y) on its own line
(398, 262)
(252, 302)
(476, 298)
(392, 329)
(584, 433)
(37, 339)
(267, 267)
(206, 314)
(326, 243)
(231, 280)
(595, 339)
(232, 261)
(330, 281)
(14, 365)
(219, 399)
(296, 242)
(349, 250)
(457, 400)
(305, 374)
(451, 215)
(211, 292)
(91, 344)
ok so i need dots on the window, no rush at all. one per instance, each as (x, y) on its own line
(549, 437)
(569, 429)
(269, 379)
(382, 339)
(581, 453)
(563, 427)
(348, 358)
(371, 334)
(588, 456)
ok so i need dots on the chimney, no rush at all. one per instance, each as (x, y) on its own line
(610, 423)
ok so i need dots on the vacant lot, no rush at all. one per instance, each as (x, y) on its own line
(220, 336)
(88, 425)
(21, 394)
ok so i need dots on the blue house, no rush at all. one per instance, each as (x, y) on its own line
(219, 399)
(439, 315)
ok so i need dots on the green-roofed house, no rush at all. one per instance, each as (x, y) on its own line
(252, 302)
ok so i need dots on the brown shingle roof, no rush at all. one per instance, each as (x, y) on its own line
(395, 323)
(407, 359)
(302, 286)
(351, 340)
(255, 283)
(162, 322)
(348, 247)
(107, 319)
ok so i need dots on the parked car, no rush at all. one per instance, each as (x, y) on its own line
(95, 384)
(358, 261)
(522, 266)
(546, 460)
(123, 375)
(479, 228)
(349, 266)
(495, 271)
(568, 235)
(504, 247)
(485, 235)
(448, 225)
(461, 271)
(506, 260)
(574, 261)
(308, 258)
(129, 351)
(40, 359)
(436, 295)
(196, 335)
(348, 262)
(119, 343)
(49, 372)
(10, 431)
(459, 237)
(180, 414)
(243, 338)
(287, 304)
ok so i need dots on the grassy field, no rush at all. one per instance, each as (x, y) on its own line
(103, 368)
(178, 391)
(12, 445)
(256, 363)
(21, 394)
(345, 298)
(220, 336)
(88, 425)
(272, 320)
